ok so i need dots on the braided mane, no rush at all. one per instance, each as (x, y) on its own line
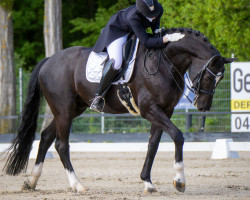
(189, 31)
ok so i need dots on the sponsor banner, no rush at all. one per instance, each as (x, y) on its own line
(240, 96)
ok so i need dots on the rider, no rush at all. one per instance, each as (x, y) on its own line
(134, 19)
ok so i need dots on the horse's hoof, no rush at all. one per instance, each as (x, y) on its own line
(179, 186)
(79, 189)
(149, 188)
(82, 189)
(26, 186)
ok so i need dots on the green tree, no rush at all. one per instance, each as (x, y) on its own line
(225, 22)
(28, 16)
(91, 28)
(28, 31)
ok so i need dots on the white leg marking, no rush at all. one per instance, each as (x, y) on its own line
(180, 176)
(74, 182)
(35, 174)
(149, 187)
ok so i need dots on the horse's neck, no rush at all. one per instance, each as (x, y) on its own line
(179, 63)
(174, 63)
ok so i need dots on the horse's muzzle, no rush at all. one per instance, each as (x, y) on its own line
(202, 106)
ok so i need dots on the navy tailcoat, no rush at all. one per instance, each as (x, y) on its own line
(129, 20)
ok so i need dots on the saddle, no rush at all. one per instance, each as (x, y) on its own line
(96, 62)
(95, 67)
(127, 56)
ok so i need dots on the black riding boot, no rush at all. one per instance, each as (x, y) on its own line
(108, 75)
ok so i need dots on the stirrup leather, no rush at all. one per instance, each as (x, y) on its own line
(98, 104)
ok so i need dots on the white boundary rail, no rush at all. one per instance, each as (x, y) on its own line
(139, 147)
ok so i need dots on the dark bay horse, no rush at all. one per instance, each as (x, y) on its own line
(157, 85)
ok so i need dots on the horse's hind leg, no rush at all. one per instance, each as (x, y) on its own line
(63, 123)
(47, 137)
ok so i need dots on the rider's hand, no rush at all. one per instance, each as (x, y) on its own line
(173, 37)
(159, 30)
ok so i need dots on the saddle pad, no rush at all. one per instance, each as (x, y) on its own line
(95, 66)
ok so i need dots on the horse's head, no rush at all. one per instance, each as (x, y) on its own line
(205, 64)
(207, 79)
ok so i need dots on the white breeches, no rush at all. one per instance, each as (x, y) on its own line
(115, 50)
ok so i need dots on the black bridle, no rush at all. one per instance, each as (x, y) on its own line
(198, 77)
(196, 88)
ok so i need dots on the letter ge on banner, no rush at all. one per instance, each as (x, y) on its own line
(240, 96)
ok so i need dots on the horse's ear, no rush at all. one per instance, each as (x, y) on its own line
(229, 60)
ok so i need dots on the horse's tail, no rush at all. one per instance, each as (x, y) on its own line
(22, 143)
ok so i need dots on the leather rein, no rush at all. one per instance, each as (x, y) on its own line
(196, 88)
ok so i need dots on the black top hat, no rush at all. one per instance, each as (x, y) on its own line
(149, 8)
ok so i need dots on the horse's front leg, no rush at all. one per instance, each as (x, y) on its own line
(158, 117)
(154, 140)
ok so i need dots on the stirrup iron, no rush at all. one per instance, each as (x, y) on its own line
(98, 104)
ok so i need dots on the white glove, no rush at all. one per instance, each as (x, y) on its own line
(173, 37)
(158, 30)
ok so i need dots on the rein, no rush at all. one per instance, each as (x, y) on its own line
(182, 91)
(196, 88)
(150, 55)
(161, 51)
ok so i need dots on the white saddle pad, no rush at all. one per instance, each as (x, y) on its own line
(95, 65)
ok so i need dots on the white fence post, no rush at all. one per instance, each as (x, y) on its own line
(102, 123)
(20, 89)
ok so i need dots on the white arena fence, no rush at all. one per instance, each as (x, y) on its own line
(221, 149)
(96, 123)
(218, 119)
